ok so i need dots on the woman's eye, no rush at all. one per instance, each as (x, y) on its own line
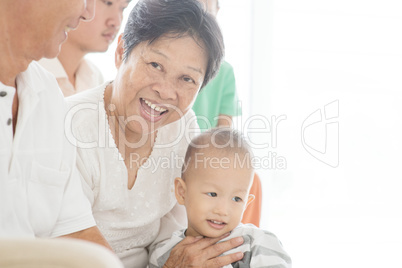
(188, 79)
(237, 199)
(212, 194)
(156, 66)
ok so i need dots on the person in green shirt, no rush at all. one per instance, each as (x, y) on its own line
(217, 102)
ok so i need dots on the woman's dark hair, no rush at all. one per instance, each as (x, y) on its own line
(151, 19)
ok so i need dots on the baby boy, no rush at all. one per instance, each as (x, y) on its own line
(214, 188)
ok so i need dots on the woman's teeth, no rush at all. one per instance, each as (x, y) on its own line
(154, 107)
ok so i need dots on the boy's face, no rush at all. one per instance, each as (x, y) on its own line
(215, 195)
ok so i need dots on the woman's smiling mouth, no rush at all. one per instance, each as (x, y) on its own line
(152, 111)
(155, 107)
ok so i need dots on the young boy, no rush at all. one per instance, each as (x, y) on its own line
(214, 188)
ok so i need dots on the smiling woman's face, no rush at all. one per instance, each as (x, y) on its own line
(158, 82)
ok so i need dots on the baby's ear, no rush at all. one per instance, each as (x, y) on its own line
(180, 190)
(250, 199)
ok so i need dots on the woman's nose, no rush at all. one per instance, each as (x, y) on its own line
(166, 90)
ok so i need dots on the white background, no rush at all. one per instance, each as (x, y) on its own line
(292, 58)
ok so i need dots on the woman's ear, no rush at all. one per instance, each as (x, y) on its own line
(119, 54)
(180, 190)
(250, 199)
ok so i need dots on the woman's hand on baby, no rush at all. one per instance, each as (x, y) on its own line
(203, 252)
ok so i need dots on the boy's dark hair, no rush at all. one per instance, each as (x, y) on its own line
(151, 19)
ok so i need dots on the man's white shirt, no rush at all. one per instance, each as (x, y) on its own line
(40, 189)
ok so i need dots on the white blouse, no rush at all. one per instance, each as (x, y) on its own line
(130, 220)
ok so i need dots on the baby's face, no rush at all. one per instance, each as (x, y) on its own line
(216, 196)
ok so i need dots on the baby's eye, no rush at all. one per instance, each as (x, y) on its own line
(237, 199)
(212, 194)
(156, 65)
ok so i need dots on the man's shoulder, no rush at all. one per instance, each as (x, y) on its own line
(39, 81)
(88, 75)
(90, 65)
(53, 66)
(37, 72)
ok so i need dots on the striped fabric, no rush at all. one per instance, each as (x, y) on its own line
(261, 249)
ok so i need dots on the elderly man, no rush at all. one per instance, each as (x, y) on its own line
(40, 190)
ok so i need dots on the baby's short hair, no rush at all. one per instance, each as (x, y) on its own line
(223, 141)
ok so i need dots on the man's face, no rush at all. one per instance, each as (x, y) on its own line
(44, 24)
(98, 34)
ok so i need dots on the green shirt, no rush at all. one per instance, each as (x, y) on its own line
(217, 97)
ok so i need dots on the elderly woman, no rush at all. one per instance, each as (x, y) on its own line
(132, 133)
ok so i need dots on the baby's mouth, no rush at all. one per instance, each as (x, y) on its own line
(217, 222)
